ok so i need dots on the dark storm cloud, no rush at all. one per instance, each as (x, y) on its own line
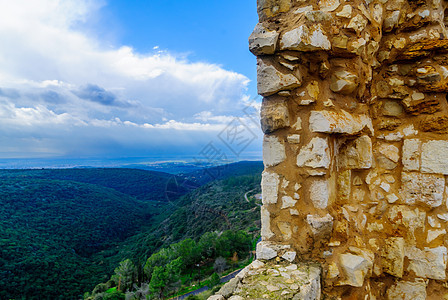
(95, 93)
(52, 97)
(9, 93)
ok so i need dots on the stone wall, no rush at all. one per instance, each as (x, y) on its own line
(356, 142)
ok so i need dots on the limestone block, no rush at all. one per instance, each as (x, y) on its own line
(266, 251)
(389, 151)
(434, 158)
(320, 226)
(392, 108)
(285, 229)
(391, 21)
(236, 297)
(315, 155)
(227, 290)
(298, 124)
(311, 289)
(329, 5)
(343, 82)
(356, 154)
(339, 122)
(434, 234)
(289, 256)
(344, 185)
(266, 232)
(427, 263)
(411, 155)
(262, 41)
(269, 187)
(427, 105)
(408, 290)
(305, 39)
(346, 11)
(271, 81)
(320, 193)
(357, 23)
(428, 189)
(393, 256)
(273, 151)
(288, 202)
(269, 8)
(355, 269)
(256, 264)
(333, 271)
(273, 116)
(403, 215)
(293, 138)
(216, 297)
(317, 16)
(313, 89)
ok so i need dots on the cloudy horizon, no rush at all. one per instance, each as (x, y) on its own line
(66, 92)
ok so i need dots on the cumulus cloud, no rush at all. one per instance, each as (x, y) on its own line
(61, 86)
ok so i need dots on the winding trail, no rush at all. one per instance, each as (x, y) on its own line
(245, 197)
(205, 288)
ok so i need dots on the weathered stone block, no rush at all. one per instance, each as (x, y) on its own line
(393, 256)
(412, 219)
(357, 23)
(320, 193)
(427, 189)
(216, 297)
(320, 226)
(288, 202)
(305, 39)
(343, 82)
(434, 158)
(427, 263)
(274, 115)
(266, 232)
(269, 187)
(311, 289)
(390, 152)
(262, 41)
(339, 122)
(271, 81)
(273, 151)
(285, 229)
(269, 8)
(407, 290)
(392, 108)
(344, 185)
(315, 155)
(411, 155)
(289, 256)
(293, 138)
(355, 268)
(356, 154)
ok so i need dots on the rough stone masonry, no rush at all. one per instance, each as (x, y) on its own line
(355, 117)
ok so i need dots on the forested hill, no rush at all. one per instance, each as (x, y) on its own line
(141, 184)
(56, 237)
(64, 230)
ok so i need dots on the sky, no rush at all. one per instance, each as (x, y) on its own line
(114, 79)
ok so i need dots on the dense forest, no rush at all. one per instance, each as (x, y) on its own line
(64, 231)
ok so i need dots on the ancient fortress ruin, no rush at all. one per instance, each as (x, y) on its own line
(355, 117)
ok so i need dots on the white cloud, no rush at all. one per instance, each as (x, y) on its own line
(55, 77)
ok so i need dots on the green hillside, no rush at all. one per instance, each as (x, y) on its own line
(62, 231)
(52, 234)
(217, 206)
(141, 184)
(211, 222)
